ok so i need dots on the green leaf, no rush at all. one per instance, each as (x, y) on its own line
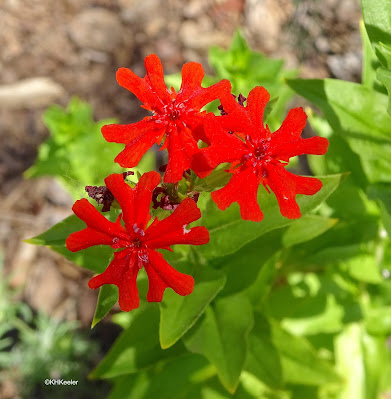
(363, 267)
(306, 228)
(382, 193)
(384, 75)
(317, 304)
(229, 233)
(250, 387)
(300, 362)
(243, 266)
(218, 178)
(95, 258)
(107, 298)
(174, 379)
(378, 321)
(57, 234)
(370, 62)
(178, 314)
(263, 359)
(357, 113)
(221, 336)
(376, 14)
(137, 347)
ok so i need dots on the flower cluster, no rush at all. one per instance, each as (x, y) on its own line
(238, 137)
(138, 240)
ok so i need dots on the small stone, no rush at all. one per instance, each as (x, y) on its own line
(194, 38)
(96, 29)
(44, 289)
(345, 66)
(30, 93)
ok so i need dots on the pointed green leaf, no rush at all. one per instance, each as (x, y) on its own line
(357, 113)
(243, 266)
(178, 314)
(306, 228)
(221, 336)
(263, 359)
(384, 75)
(137, 347)
(377, 19)
(57, 234)
(94, 258)
(107, 298)
(370, 62)
(229, 232)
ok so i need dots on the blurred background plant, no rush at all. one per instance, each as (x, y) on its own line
(35, 347)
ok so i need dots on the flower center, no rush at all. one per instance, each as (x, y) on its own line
(171, 112)
(258, 155)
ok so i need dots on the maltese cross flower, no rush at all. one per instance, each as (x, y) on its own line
(176, 116)
(258, 156)
(137, 240)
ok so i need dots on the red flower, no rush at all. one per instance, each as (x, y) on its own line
(176, 116)
(258, 156)
(138, 240)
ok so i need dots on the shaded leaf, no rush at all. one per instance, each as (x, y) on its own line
(137, 347)
(306, 228)
(178, 314)
(221, 336)
(107, 298)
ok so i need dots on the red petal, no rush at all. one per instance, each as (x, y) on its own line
(181, 147)
(242, 188)
(143, 197)
(206, 95)
(256, 103)
(286, 186)
(312, 145)
(134, 202)
(291, 128)
(192, 75)
(127, 133)
(224, 147)
(124, 194)
(87, 238)
(122, 272)
(138, 86)
(96, 221)
(172, 230)
(155, 76)
(134, 150)
(162, 275)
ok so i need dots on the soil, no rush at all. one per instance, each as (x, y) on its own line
(77, 45)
